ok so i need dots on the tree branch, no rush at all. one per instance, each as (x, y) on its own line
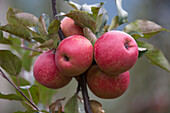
(85, 93)
(4, 76)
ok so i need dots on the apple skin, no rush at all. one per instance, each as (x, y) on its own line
(69, 28)
(106, 86)
(74, 55)
(46, 72)
(115, 52)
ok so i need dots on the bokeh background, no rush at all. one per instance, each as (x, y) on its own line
(149, 90)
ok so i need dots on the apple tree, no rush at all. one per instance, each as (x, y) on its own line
(81, 46)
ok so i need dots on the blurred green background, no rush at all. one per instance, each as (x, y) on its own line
(149, 90)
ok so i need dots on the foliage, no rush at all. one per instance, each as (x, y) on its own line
(30, 36)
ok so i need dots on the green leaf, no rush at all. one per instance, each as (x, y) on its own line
(5, 41)
(17, 42)
(27, 61)
(42, 26)
(38, 39)
(136, 34)
(1, 34)
(155, 55)
(147, 28)
(35, 94)
(122, 14)
(10, 97)
(83, 19)
(44, 91)
(99, 22)
(10, 62)
(17, 30)
(95, 10)
(22, 81)
(105, 17)
(47, 44)
(72, 105)
(114, 23)
(54, 26)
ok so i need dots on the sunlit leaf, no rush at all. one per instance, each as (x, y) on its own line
(114, 23)
(17, 30)
(10, 97)
(72, 105)
(10, 62)
(34, 92)
(122, 14)
(155, 55)
(147, 28)
(83, 19)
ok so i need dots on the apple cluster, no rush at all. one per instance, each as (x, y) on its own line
(106, 64)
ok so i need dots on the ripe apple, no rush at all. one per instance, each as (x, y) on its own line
(46, 72)
(69, 28)
(106, 86)
(74, 55)
(115, 52)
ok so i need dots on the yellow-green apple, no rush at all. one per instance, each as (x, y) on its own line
(74, 55)
(46, 72)
(106, 86)
(115, 52)
(69, 28)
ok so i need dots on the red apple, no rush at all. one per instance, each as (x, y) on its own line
(69, 28)
(106, 86)
(115, 52)
(74, 55)
(46, 72)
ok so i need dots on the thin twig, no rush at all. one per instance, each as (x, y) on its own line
(85, 93)
(3, 75)
(31, 49)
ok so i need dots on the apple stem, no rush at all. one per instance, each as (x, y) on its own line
(54, 9)
(82, 83)
(18, 89)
